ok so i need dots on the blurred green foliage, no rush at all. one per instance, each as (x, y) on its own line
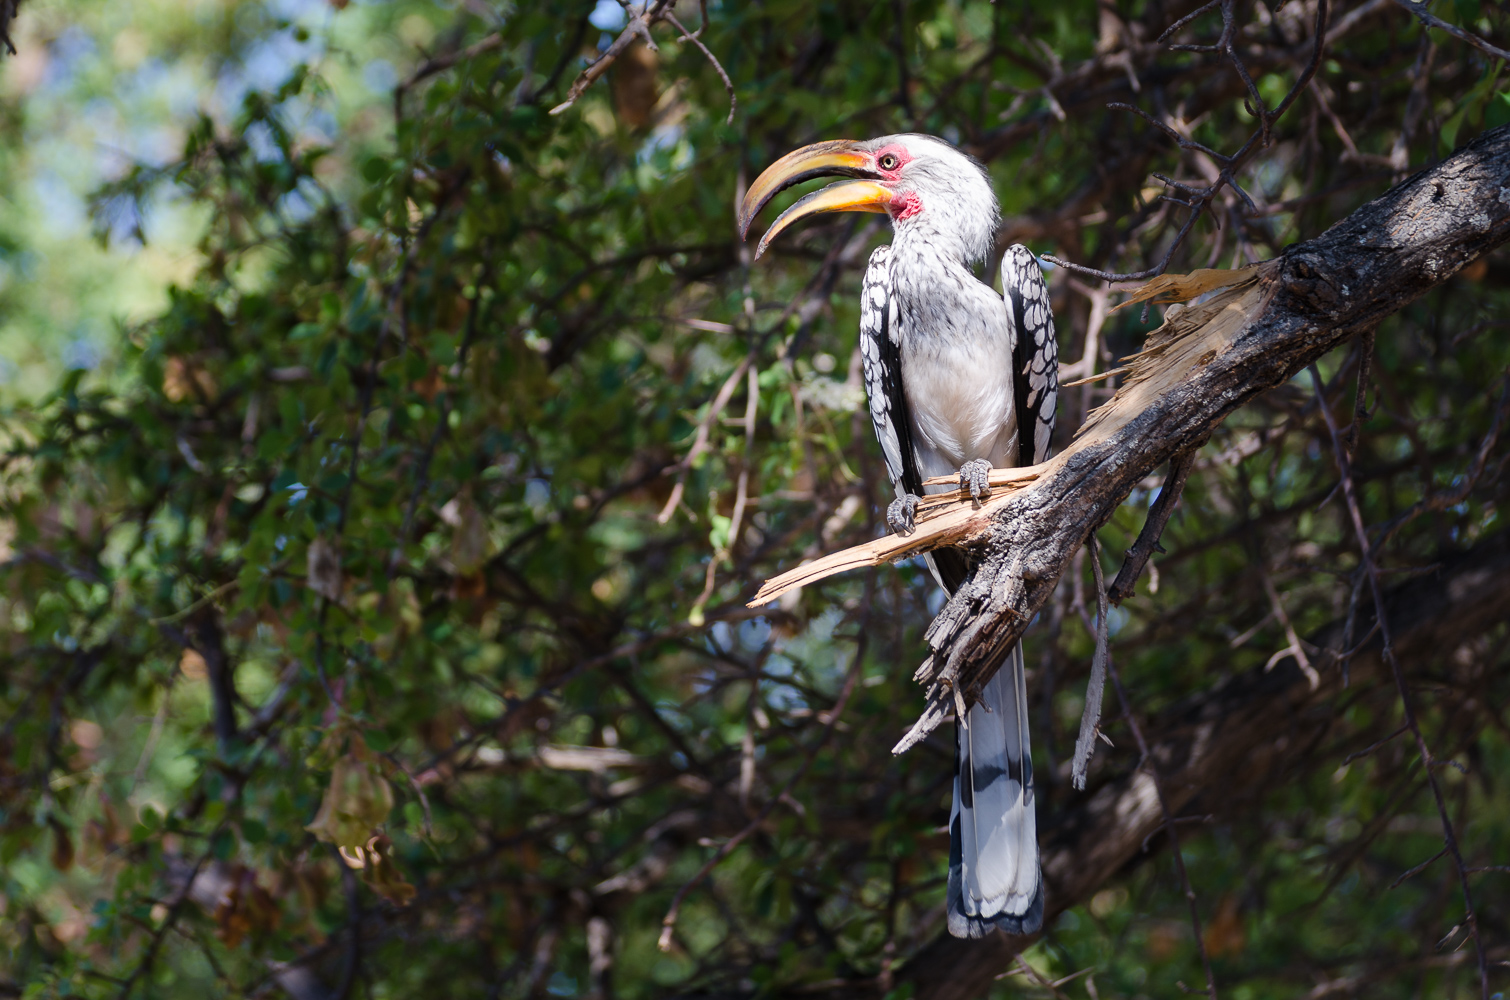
(373, 621)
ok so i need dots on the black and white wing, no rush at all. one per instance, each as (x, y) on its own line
(881, 359)
(1035, 356)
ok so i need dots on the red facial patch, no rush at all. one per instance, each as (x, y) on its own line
(906, 205)
(899, 152)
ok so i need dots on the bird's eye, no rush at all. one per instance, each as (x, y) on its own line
(889, 161)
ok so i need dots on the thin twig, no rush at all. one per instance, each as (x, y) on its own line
(637, 28)
(668, 923)
(1090, 716)
(1146, 760)
(1159, 514)
(700, 440)
(1418, 869)
(1372, 747)
(442, 428)
(1366, 556)
(1360, 403)
(1200, 199)
(1430, 20)
(688, 36)
(1295, 648)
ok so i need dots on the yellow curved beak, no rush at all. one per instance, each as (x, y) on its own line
(838, 157)
(845, 196)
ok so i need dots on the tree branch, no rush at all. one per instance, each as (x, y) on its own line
(1125, 585)
(1207, 746)
(1201, 365)
(8, 10)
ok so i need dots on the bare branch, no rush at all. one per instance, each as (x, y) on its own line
(8, 9)
(1200, 199)
(1197, 368)
(1449, 835)
(692, 36)
(1153, 527)
(1430, 20)
(1204, 747)
(637, 28)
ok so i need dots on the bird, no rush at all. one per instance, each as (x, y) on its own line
(960, 379)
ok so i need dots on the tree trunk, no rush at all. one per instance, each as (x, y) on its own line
(1205, 362)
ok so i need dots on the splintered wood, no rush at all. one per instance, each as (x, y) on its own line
(1191, 338)
(1167, 288)
(941, 519)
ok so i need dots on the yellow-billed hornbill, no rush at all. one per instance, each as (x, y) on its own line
(960, 379)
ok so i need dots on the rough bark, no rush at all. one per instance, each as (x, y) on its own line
(1205, 363)
(1244, 734)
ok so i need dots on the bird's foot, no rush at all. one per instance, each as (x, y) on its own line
(901, 515)
(975, 476)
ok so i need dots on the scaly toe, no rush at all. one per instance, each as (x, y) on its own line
(901, 514)
(975, 476)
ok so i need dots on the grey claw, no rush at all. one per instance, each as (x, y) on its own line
(975, 476)
(901, 514)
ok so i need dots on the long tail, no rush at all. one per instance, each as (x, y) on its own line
(994, 880)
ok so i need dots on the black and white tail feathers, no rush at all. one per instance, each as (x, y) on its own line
(994, 880)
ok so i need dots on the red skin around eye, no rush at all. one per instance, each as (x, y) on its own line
(906, 204)
(902, 156)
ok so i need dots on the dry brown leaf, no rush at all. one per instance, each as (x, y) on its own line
(184, 378)
(634, 86)
(324, 569)
(383, 874)
(470, 543)
(62, 846)
(246, 908)
(356, 802)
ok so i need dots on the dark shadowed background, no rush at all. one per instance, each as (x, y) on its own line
(385, 463)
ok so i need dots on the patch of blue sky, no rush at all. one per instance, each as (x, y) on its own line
(72, 51)
(311, 124)
(123, 221)
(293, 10)
(266, 65)
(754, 633)
(662, 137)
(179, 86)
(537, 493)
(608, 15)
(379, 76)
(59, 203)
(157, 89)
(813, 643)
(81, 352)
(783, 698)
(778, 665)
(261, 141)
(663, 153)
(299, 204)
(721, 637)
